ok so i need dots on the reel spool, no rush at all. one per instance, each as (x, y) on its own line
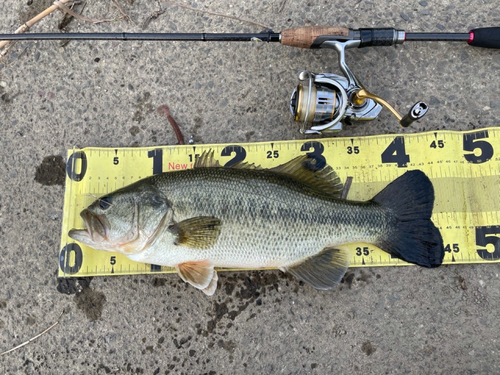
(318, 100)
(322, 101)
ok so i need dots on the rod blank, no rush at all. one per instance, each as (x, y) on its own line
(437, 37)
(204, 37)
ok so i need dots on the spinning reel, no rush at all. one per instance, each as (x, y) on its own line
(322, 102)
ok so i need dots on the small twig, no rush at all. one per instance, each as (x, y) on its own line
(31, 22)
(164, 110)
(55, 6)
(153, 16)
(68, 10)
(218, 14)
(6, 49)
(282, 6)
(125, 15)
(68, 17)
(347, 186)
(34, 338)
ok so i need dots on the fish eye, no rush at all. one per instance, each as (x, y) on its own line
(105, 203)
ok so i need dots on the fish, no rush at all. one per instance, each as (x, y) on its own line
(290, 217)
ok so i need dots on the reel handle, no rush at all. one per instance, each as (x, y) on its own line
(486, 37)
(416, 112)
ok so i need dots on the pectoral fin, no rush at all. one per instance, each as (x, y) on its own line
(200, 274)
(324, 270)
(198, 232)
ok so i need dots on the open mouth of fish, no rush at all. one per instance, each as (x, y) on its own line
(95, 229)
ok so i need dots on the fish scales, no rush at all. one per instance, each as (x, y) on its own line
(267, 219)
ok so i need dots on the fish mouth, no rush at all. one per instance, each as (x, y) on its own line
(95, 232)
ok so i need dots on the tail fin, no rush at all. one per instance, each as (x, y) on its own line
(414, 238)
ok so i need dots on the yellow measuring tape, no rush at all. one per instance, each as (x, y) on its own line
(463, 166)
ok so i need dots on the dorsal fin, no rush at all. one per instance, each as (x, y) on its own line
(246, 165)
(325, 180)
(206, 160)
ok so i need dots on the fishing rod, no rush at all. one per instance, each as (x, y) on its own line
(321, 102)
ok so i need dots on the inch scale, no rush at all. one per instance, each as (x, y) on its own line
(463, 166)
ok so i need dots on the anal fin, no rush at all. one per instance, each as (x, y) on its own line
(324, 270)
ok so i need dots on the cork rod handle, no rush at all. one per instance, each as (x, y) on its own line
(304, 37)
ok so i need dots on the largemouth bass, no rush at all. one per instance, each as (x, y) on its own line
(289, 217)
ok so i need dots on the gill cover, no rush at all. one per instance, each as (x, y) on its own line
(125, 220)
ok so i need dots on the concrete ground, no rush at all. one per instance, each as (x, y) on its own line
(381, 321)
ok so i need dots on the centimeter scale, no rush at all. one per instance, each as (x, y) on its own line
(463, 166)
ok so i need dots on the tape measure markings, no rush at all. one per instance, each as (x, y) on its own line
(455, 161)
